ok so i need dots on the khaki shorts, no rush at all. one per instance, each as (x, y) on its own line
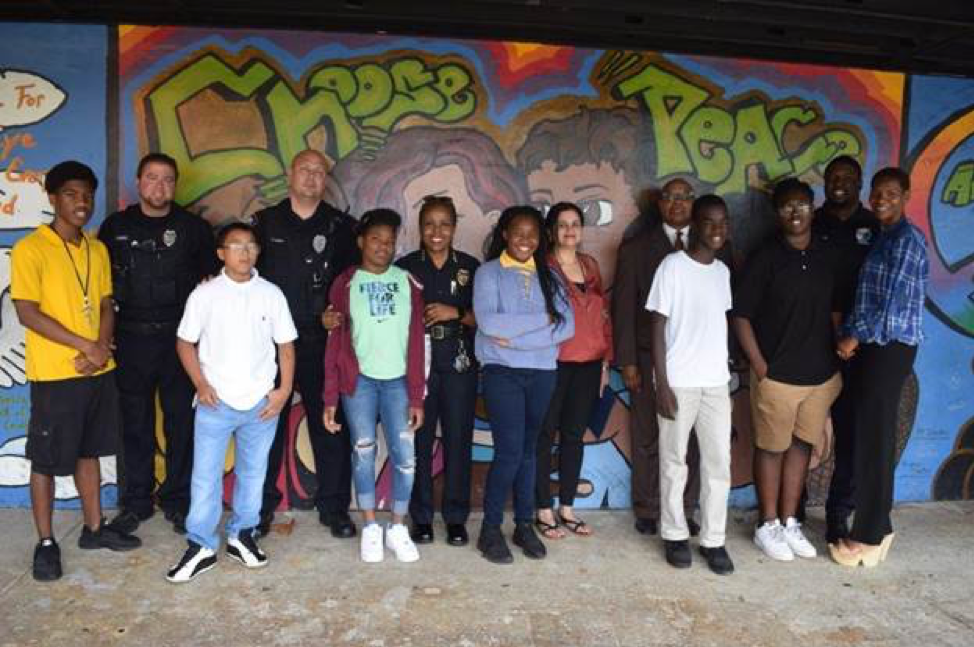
(781, 411)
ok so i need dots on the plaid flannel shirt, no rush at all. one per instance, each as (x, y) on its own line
(892, 289)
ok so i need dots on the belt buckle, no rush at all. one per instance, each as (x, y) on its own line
(438, 332)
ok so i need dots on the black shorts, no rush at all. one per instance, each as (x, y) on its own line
(72, 419)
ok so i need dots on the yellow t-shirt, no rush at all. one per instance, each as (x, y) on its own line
(45, 272)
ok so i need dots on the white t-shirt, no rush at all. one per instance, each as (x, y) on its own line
(695, 299)
(238, 326)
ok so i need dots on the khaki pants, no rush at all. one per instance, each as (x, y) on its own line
(707, 412)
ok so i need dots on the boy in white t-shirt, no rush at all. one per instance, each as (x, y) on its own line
(688, 306)
(231, 329)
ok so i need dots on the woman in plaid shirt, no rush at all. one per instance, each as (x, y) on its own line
(884, 329)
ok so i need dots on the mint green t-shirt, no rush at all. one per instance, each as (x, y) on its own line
(380, 308)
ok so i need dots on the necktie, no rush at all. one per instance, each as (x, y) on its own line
(678, 244)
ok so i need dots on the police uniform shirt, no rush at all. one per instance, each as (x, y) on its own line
(157, 261)
(302, 256)
(450, 285)
(852, 239)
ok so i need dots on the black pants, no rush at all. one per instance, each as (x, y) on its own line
(148, 363)
(576, 392)
(880, 376)
(840, 502)
(450, 401)
(332, 452)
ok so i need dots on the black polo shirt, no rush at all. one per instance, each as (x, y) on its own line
(450, 285)
(789, 295)
(852, 239)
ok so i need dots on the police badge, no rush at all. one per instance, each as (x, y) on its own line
(864, 236)
(169, 238)
(318, 243)
(463, 277)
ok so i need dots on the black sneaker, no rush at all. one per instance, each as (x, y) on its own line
(128, 521)
(264, 526)
(456, 534)
(195, 560)
(245, 550)
(47, 560)
(718, 560)
(678, 553)
(178, 519)
(645, 526)
(339, 523)
(421, 533)
(492, 545)
(525, 538)
(107, 536)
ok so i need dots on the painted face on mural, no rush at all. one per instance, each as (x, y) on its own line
(306, 180)
(604, 196)
(674, 203)
(157, 187)
(473, 225)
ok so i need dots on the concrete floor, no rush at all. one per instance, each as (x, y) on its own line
(611, 589)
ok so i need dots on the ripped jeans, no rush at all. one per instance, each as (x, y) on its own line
(385, 401)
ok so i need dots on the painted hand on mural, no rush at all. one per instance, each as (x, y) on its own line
(12, 353)
(15, 470)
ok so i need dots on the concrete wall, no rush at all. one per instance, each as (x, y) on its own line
(493, 124)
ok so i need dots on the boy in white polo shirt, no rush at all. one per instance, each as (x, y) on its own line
(226, 342)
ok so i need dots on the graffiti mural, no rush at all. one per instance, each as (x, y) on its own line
(493, 124)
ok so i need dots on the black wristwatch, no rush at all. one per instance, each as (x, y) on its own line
(461, 312)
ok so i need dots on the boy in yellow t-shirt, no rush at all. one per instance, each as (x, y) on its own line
(62, 290)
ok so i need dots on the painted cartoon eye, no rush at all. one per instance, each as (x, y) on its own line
(543, 207)
(596, 213)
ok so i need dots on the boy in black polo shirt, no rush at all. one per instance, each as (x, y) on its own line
(785, 312)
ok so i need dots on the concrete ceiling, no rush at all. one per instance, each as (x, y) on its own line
(936, 36)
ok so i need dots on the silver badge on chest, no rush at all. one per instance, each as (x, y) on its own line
(318, 243)
(169, 238)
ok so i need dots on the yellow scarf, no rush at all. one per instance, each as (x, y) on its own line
(509, 261)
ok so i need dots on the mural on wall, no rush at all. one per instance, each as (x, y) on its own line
(52, 107)
(492, 124)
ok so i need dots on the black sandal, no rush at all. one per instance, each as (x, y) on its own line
(545, 528)
(575, 525)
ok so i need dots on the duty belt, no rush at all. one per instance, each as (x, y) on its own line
(147, 327)
(444, 331)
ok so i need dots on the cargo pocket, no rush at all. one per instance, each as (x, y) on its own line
(42, 443)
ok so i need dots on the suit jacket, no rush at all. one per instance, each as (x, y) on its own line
(636, 264)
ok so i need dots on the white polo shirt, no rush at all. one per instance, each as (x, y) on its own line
(238, 326)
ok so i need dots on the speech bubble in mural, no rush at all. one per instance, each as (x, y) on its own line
(23, 202)
(15, 470)
(12, 348)
(27, 98)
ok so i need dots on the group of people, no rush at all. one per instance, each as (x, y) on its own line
(306, 299)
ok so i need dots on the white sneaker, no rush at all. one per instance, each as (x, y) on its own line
(770, 538)
(399, 542)
(796, 539)
(371, 550)
(195, 561)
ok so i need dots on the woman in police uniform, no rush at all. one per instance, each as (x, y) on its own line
(451, 389)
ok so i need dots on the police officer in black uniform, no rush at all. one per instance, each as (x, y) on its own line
(846, 224)
(305, 243)
(159, 253)
(451, 389)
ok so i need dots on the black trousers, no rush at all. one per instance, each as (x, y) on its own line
(840, 502)
(450, 401)
(882, 370)
(332, 452)
(148, 363)
(576, 392)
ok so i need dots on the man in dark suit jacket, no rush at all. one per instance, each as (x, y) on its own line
(638, 259)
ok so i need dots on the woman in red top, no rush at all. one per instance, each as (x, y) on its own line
(583, 363)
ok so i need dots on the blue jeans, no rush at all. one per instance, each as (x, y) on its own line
(253, 438)
(384, 401)
(517, 400)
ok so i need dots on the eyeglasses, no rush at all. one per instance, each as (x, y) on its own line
(790, 209)
(237, 248)
(678, 197)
